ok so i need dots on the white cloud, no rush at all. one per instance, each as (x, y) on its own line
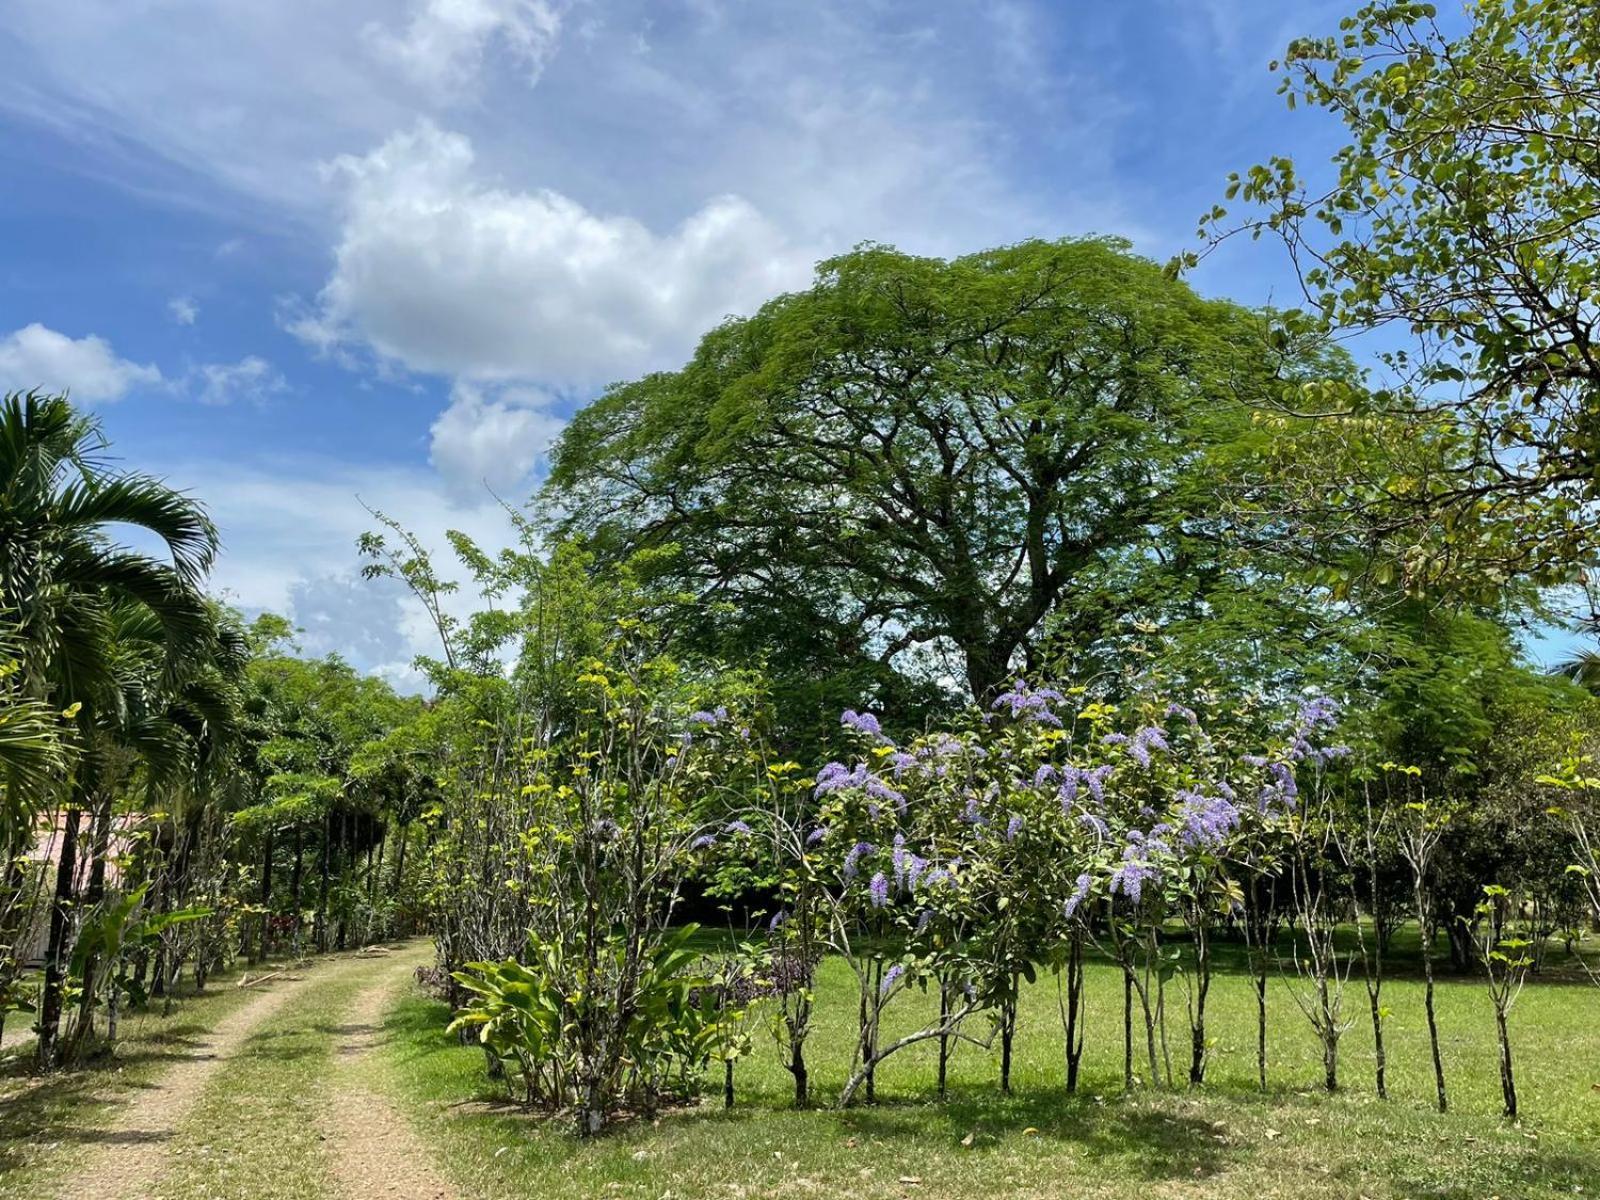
(289, 530)
(440, 271)
(183, 310)
(34, 356)
(445, 43)
(251, 379)
(492, 437)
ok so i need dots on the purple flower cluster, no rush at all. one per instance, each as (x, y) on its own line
(852, 860)
(836, 777)
(738, 827)
(890, 977)
(1029, 704)
(1281, 789)
(863, 722)
(1073, 777)
(1080, 893)
(878, 890)
(908, 865)
(1132, 873)
(1178, 710)
(711, 719)
(1148, 738)
(1206, 821)
(1014, 827)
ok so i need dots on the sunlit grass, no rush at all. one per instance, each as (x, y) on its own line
(1224, 1140)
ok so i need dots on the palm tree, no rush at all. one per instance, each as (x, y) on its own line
(68, 578)
(167, 734)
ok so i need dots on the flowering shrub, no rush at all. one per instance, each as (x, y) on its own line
(980, 851)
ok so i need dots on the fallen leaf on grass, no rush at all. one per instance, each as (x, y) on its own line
(913, 1180)
(969, 1139)
(1273, 1133)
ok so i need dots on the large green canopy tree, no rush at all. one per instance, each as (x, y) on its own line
(1460, 225)
(921, 457)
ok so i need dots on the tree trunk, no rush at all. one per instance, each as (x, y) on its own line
(1428, 935)
(61, 919)
(295, 878)
(266, 898)
(944, 1039)
(802, 1081)
(1075, 1011)
(1127, 1028)
(1197, 1025)
(1008, 1033)
(319, 931)
(99, 851)
(1508, 1083)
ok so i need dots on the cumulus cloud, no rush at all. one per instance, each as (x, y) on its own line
(183, 310)
(492, 437)
(446, 41)
(35, 356)
(440, 271)
(250, 379)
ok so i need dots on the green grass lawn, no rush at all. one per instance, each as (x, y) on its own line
(1224, 1140)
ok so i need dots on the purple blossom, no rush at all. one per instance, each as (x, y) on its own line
(1282, 790)
(1178, 710)
(1132, 874)
(1148, 738)
(879, 790)
(900, 762)
(863, 721)
(1028, 704)
(704, 840)
(1079, 893)
(1067, 793)
(889, 978)
(1206, 821)
(835, 777)
(878, 890)
(1046, 775)
(852, 860)
(923, 919)
(914, 870)
(739, 827)
(1096, 779)
(778, 918)
(1089, 821)
(816, 835)
(1014, 827)
(712, 718)
(1318, 712)
(972, 814)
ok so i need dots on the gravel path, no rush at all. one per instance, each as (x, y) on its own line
(375, 1153)
(131, 1156)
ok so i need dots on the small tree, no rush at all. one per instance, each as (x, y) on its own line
(1421, 831)
(1506, 959)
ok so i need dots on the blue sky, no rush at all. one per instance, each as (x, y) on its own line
(301, 256)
